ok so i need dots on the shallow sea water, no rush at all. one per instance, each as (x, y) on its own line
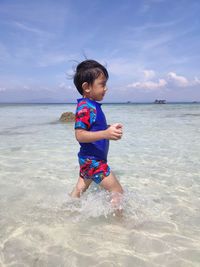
(157, 162)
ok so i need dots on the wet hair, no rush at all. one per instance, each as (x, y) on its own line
(88, 71)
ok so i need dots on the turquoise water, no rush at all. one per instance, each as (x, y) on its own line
(156, 161)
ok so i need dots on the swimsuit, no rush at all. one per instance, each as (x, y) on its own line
(92, 156)
(93, 169)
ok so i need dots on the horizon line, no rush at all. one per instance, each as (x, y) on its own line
(116, 102)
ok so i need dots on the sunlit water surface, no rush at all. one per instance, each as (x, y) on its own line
(157, 162)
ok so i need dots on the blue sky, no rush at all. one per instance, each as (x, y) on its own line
(150, 47)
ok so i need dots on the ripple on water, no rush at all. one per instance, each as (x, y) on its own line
(146, 244)
(170, 259)
(179, 241)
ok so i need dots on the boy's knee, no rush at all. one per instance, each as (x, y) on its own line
(79, 189)
(118, 189)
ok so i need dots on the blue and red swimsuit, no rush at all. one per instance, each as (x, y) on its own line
(92, 156)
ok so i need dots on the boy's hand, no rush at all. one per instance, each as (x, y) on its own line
(114, 132)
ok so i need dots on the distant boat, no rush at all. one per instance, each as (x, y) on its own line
(160, 101)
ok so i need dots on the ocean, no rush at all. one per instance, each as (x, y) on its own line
(156, 161)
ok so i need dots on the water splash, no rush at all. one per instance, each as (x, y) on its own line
(97, 203)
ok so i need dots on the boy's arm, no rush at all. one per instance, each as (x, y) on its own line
(114, 132)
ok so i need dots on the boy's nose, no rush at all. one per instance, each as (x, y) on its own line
(105, 88)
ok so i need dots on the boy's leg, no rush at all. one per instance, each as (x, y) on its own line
(111, 184)
(81, 186)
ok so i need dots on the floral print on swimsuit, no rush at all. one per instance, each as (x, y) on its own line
(85, 115)
(96, 170)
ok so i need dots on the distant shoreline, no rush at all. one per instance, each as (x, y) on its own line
(109, 103)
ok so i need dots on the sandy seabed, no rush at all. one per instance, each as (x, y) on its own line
(157, 162)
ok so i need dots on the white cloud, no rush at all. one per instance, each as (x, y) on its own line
(196, 81)
(149, 85)
(26, 87)
(147, 82)
(149, 74)
(179, 81)
(158, 42)
(64, 86)
(182, 81)
(147, 4)
(28, 28)
(171, 80)
(2, 89)
(149, 26)
(52, 59)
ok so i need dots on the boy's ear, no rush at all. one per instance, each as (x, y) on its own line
(85, 87)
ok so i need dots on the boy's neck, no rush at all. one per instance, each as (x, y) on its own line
(84, 96)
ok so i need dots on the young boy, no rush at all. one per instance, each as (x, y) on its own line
(92, 131)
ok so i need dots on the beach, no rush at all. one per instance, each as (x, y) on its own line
(156, 161)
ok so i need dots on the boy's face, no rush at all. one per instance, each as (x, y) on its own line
(97, 90)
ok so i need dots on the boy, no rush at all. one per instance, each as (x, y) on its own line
(92, 132)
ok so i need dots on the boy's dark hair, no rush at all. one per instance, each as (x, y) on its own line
(87, 71)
